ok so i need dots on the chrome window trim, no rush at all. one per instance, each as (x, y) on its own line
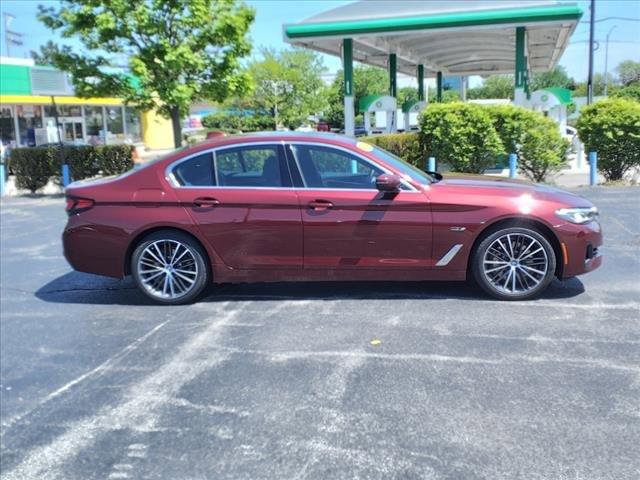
(174, 182)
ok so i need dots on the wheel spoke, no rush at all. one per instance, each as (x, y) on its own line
(186, 279)
(530, 276)
(496, 268)
(532, 253)
(510, 246)
(155, 257)
(532, 269)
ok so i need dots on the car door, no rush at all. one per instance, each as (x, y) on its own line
(242, 200)
(348, 223)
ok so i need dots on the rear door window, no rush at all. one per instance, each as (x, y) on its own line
(252, 166)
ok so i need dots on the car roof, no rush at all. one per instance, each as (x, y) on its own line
(244, 138)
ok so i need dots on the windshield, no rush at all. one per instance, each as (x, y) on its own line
(415, 173)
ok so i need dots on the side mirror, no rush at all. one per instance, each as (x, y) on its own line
(388, 182)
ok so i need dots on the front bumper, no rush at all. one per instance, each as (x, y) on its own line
(581, 248)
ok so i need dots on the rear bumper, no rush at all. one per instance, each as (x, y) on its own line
(91, 251)
(581, 248)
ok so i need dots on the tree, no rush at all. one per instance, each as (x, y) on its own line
(46, 55)
(494, 86)
(288, 85)
(367, 80)
(557, 77)
(178, 51)
(407, 94)
(628, 72)
(598, 86)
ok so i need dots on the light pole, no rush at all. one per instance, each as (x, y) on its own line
(606, 62)
(591, 45)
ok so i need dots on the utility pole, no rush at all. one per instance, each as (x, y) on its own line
(10, 37)
(591, 45)
(606, 63)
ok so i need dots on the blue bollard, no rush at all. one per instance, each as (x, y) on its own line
(431, 164)
(593, 168)
(66, 178)
(3, 178)
(513, 163)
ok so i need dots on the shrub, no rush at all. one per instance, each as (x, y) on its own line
(114, 159)
(536, 140)
(460, 134)
(82, 161)
(32, 167)
(237, 122)
(612, 128)
(405, 145)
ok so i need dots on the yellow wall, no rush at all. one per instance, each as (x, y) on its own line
(157, 131)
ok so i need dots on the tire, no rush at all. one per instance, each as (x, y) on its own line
(170, 267)
(521, 269)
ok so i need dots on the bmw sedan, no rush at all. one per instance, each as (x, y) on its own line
(309, 207)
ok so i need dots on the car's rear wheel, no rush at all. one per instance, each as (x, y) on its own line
(170, 267)
(514, 263)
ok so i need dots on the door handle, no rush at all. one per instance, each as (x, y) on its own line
(319, 205)
(206, 202)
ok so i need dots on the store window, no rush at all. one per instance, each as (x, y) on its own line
(133, 125)
(63, 111)
(94, 121)
(7, 127)
(30, 125)
(115, 124)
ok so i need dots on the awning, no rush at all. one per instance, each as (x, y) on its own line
(453, 37)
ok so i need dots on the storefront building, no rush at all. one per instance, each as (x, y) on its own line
(30, 96)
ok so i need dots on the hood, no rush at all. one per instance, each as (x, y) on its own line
(513, 186)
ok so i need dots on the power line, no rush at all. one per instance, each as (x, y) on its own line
(628, 19)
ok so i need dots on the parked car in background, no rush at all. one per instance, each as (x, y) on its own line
(303, 207)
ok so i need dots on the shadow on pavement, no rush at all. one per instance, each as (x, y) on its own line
(81, 288)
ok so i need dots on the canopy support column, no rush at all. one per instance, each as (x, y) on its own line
(420, 82)
(439, 87)
(393, 90)
(463, 88)
(349, 113)
(519, 97)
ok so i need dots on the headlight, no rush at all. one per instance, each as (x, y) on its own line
(580, 215)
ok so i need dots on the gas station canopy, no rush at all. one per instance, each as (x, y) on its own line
(436, 38)
(453, 37)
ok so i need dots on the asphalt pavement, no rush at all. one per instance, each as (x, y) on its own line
(316, 381)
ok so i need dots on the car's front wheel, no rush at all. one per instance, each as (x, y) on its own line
(514, 263)
(170, 267)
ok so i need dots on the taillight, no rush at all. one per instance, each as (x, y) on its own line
(77, 205)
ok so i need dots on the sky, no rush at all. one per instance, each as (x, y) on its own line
(624, 42)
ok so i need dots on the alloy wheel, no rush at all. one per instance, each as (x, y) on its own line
(515, 263)
(168, 269)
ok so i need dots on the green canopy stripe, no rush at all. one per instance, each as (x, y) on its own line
(460, 19)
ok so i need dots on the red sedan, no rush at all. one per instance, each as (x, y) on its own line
(305, 207)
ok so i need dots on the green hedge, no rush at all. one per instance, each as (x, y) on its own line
(237, 122)
(534, 138)
(471, 138)
(461, 135)
(405, 145)
(612, 128)
(34, 166)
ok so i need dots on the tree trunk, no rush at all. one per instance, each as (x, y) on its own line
(176, 123)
